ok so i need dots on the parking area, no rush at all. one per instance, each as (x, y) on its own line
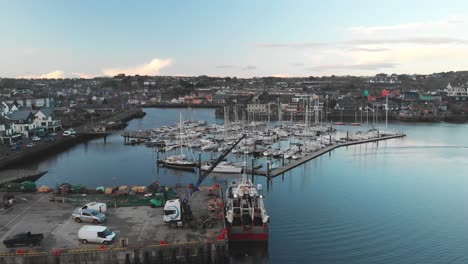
(142, 225)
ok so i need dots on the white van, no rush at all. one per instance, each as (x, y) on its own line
(100, 207)
(96, 234)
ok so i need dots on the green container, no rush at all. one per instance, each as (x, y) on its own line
(28, 186)
(79, 188)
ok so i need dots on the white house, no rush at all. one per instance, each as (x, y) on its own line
(257, 108)
(7, 134)
(45, 119)
(8, 108)
(455, 91)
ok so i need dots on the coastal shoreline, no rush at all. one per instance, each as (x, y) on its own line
(63, 143)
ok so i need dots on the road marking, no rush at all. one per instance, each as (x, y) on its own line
(14, 218)
(24, 199)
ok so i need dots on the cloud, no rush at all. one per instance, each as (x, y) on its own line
(83, 75)
(151, 68)
(363, 49)
(361, 66)
(302, 45)
(413, 26)
(413, 40)
(279, 75)
(57, 74)
(249, 68)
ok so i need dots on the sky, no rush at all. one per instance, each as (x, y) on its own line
(243, 38)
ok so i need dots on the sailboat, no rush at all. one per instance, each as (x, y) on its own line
(179, 161)
(355, 120)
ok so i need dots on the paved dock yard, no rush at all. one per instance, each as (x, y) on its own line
(142, 225)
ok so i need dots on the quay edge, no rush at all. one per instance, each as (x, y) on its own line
(193, 252)
(62, 143)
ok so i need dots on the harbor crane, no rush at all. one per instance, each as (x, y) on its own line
(179, 213)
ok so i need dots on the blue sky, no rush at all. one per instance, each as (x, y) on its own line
(231, 38)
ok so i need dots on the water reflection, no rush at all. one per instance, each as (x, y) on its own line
(398, 201)
(248, 253)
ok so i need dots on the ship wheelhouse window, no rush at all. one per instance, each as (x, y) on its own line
(169, 212)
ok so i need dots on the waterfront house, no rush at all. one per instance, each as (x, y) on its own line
(45, 119)
(457, 92)
(348, 104)
(23, 122)
(7, 134)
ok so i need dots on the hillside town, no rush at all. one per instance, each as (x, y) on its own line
(32, 107)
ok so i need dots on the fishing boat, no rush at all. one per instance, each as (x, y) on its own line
(246, 217)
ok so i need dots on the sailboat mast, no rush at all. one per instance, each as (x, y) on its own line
(361, 113)
(180, 133)
(386, 113)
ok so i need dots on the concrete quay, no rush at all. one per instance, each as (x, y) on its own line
(148, 238)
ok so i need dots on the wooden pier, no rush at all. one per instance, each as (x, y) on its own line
(295, 163)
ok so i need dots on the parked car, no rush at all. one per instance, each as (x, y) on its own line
(100, 207)
(72, 131)
(96, 234)
(53, 134)
(15, 147)
(66, 133)
(36, 138)
(88, 216)
(23, 239)
(30, 145)
(49, 139)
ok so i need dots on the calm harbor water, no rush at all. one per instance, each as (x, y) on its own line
(397, 201)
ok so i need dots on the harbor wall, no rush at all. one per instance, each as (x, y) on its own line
(192, 252)
(162, 105)
(61, 143)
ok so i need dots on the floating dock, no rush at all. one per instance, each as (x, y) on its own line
(304, 159)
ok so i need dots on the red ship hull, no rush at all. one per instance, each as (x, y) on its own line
(248, 237)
